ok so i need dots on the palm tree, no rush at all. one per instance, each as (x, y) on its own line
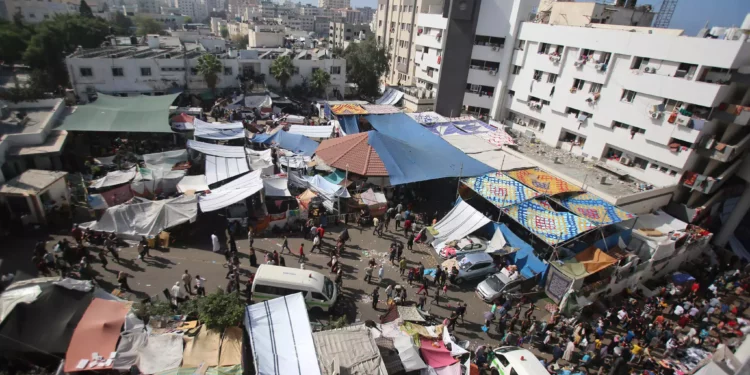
(209, 66)
(320, 81)
(282, 69)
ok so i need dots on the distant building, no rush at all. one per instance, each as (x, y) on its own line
(334, 4)
(193, 8)
(619, 12)
(366, 14)
(341, 34)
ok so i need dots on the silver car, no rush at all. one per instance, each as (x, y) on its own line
(497, 284)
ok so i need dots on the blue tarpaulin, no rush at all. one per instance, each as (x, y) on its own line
(528, 263)
(327, 111)
(412, 153)
(349, 124)
(605, 244)
(299, 144)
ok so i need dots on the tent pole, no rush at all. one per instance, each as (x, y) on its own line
(502, 163)
(458, 183)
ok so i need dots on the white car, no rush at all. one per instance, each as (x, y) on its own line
(512, 360)
(468, 244)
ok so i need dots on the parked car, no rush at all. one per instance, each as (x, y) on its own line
(468, 244)
(471, 266)
(497, 284)
(515, 360)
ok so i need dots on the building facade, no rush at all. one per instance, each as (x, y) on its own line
(341, 34)
(334, 4)
(366, 14)
(569, 13)
(193, 8)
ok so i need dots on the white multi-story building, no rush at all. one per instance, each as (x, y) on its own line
(341, 34)
(646, 102)
(366, 14)
(334, 4)
(570, 13)
(194, 8)
(147, 6)
(162, 66)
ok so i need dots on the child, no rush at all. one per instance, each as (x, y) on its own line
(301, 253)
(410, 276)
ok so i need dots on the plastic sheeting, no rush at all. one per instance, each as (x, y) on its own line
(11, 298)
(296, 143)
(411, 153)
(426, 118)
(192, 183)
(380, 109)
(322, 186)
(232, 192)
(319, 131)
(276, 187)
(151, 353)
(147, 218)
(114, 178)
(435, 354)
(443, 129)
(528, 264)
(350, 124)
(149, 114)
(408, 353)
(217, 150)
(203, 349)
(352, 348)
(595, 209)
(281, 338)
(200, 124)
(231, 347)
(499, 189)
(551, 226)
(97, 332)
(169, 158)
(390, 96)
(542, 181)
(460, 222)
(220, 169)
(219, 134)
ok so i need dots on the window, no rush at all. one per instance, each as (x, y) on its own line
(516, 70)
(335, 70)
(672, 105)
(511, 93)
(193, 71)
(627, 96)
(654, 166)
(521, 45)
(618, 124)
(145, 72)
(490, 41)
(544, 48)
(393, 8)
(118, 72)
(227, 70)
(31, 15)
(595, 88)
(604, 58)
(537, 75)
(640, 163)
(578, 84)
(348, 38)
(551, 78)
(503, 360)
(545, 102)
(393, 25)
(380, 23)
(318, 296)
(86, 72)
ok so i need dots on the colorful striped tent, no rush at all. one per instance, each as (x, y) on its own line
(595, 209)
(542, 181)
(348, 109)
(499, 189)
(551, 226)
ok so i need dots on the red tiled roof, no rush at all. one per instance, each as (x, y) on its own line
(352, 153)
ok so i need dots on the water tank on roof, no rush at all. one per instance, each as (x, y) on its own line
(152, 41)
(718, 31)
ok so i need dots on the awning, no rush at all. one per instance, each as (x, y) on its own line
(350, 124)
(97, 332)
(460, 222)
(148, 114)
(114, 178)
(142, 217)
(318, 131)
(551, 226)
(296, 143)
(280, 337)
(232, 192)
(595, 209)
(499, 189)
(594, 260)
(192, 183)
(542, 181)
(220, 169)
(276, 187)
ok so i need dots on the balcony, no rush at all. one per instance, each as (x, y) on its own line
(708, 184)
(731, 113)
(715, 150)
(700, 93)
(432, 40)
(476, 99)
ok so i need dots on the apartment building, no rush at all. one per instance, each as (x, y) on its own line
(35, 11)
(163, 66)
(321, 25)
(194, 8)
(366, 14)
(618, 12)
(396, 31)
(266, 35)
(341, 34)
(334, 4)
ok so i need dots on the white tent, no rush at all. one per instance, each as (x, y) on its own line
(460, 222)
(169, 158)
(223, 162)
(217, 150)
(232, 192)
(114, 178)
(200, 124)
(192, 183)
(322, 186)
(276, 187)
(219, 134)
(151, 353)
(220, 169)
(319, 131)
(143, 217)
(281, 338)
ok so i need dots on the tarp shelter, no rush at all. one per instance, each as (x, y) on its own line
(594, 260)
(426, 118)
(348, 109)
(182, 121)
(142, 217)
(435, 354)
(202, 349)
(411, 153)
(551, 226)
(296, 143)
(223, 162)
(352, 153)
(352, 348)
(231, 347)
(337, 177)
(460, 222)
(258, 101)
(542, 181)
(319, 131)
(305, 198)
(595, 209)
(114, 178)
(218, 125)
(276, 187)
(499, 189)
(97, 332)
(376, 202)
(218, 133)
(380, 109)
(151, 353)
(390, 96)
(444, 129)
(349, 124)
(498, 138)
(232, 192)
(33, 330)
(281, 339)
(148, 114)
(528, 264)
(192, 184)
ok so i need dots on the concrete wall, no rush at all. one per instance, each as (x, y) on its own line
(265, 39)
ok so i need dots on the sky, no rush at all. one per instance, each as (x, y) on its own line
(690, 15)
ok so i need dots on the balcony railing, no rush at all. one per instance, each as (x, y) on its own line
(732, 113)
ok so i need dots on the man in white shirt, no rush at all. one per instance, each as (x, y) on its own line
(679, 310)
(200, 289)
(622, 315)
(176, 292)
(216, 247)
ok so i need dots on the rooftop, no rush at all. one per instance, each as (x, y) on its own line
(575, 167)
(26, 121)
(31, 182)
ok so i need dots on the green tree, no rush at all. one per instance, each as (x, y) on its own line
(85, 10)
(14, 39)
(57, 38)
(146, 25)
(320, 81)
(188, 19)
(366, 62)
(209, 66)
(221, 310)
(282, 69)
(145, 311)
(240, 41)
(122, 24)
(224, 32)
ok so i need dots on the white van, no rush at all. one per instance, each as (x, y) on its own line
(275, 281)
(512, 360)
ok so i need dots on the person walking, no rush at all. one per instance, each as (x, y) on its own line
(187, 279)
(392, 254)
(250, 236)
(316, 244)
(102, 259)
(253, 258)
(410, 276)
(375, 297)
(389, 293)
(399, 250)
(398, 220)
(215, 244)
(402, 266)
(200, 290)
(436, 300)
(461, 310)
(285, 245)
(368, 273)
(381, 272)
(313, 231)
(569, 349)
(424, 287)
(375, 224)
(122, 279)
(422, 300)
(387, 221)
(301, 253)
(452, 321)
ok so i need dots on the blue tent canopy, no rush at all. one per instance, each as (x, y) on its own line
(528, 263)
(299, 144)
(412, 153)
(350, 124)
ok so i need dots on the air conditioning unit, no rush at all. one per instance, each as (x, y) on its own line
(647, 70)
(555, 59)
(534, 104)
(578, 63)
(495, 48)
(493, 72)
(625, 161)
(655, 115)
(600, 67)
